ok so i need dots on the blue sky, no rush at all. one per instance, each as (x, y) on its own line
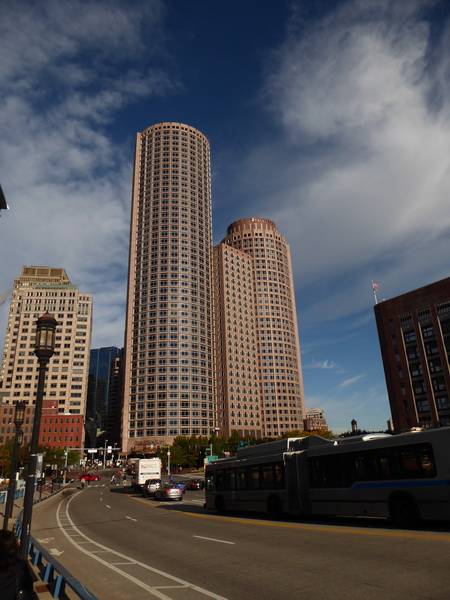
(330, 118)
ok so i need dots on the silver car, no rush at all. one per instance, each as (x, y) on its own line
(168, 492)
(150, 486)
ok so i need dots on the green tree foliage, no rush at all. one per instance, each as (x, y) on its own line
(5, 458)
(328, 435)
(233, 443)
(52, 456)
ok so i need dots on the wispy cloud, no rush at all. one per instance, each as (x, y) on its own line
(359, 180)
(321, 364)
(349, 382)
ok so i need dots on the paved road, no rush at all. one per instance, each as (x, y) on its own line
(123, 546)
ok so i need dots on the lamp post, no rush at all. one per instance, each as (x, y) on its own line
(43, 349)
(104, 455)
(19, 417)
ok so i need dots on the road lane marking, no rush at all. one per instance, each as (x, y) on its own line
(131, 518)
(200, 537)
(155, 591)
(330, 529)
(324, 528)
(108, 506)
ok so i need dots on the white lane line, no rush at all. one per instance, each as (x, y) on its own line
(131, 519)
(200, 537)
(154, 591)
(108, 506)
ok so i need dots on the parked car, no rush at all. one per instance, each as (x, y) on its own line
(150, 486)
(196, 484)
(89, 477)
(168, 492)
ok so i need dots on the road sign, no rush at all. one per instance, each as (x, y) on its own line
(209, 459)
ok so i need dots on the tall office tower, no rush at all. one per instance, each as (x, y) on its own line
(414, 334)
(239, 406)
(168, 375)
(101, 365)
(257, 350)
(39, 290)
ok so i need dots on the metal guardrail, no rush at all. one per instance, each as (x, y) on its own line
(17, 494)
(52, 572)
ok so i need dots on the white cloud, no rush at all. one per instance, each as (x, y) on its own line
(321, 364)
(66, 70)
(360, 179)
(348, 382)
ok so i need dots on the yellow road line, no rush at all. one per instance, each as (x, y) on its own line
(424, 536)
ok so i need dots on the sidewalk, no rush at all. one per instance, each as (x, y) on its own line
(40, 587)
(18, 504)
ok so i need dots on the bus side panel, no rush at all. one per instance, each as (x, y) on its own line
(297, 484)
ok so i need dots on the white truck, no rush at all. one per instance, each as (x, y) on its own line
(146, 468)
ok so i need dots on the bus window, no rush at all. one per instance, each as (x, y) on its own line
(209, 481)
(427, 465)
(229, 481)
(267, 477)
(241, 483)
(220, 481)
(253, 478)
(415, 461)
(279, 476)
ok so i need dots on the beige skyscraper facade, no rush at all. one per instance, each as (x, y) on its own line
(168, 374)
(259, 377)
(39, 290)
(238, 383)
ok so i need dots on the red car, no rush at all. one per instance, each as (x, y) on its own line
(89, 477)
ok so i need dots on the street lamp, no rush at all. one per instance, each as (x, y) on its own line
(44, 348)
(104, 455)
(19, 417)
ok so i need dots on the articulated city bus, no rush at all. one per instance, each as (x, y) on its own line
(404, 477)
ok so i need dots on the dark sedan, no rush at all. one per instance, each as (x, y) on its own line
(195, 484)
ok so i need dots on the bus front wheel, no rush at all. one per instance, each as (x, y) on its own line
(403, 511)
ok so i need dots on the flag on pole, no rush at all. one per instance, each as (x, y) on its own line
(375, 287)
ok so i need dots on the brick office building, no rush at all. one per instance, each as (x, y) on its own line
(414, 334)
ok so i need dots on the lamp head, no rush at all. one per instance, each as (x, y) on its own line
(44, 346)
(19, 415)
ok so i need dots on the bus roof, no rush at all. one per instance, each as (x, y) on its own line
(278, 446)
(367, 437)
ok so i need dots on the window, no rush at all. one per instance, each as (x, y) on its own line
(343, 470)
(409, 336)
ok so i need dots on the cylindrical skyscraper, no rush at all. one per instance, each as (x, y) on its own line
(267, 323)
(168, 389)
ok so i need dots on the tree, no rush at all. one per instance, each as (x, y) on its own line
(233, 443)
(328, 435)
(5, 457)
